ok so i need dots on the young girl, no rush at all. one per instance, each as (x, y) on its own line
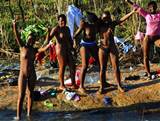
(27, 74)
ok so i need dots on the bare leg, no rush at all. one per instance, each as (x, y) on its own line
(30, 89)
(103, 64)
(61, 63)
(84, 58)
(115, 64)
(146, 55)
(21, 94)
(72, 69)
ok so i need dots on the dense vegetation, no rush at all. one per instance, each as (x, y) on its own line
(45, 11)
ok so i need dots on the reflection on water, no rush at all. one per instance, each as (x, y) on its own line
(83, 116)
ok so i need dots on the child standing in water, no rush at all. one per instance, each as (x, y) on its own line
(27, 74)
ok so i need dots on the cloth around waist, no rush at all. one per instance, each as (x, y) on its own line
(84, 43)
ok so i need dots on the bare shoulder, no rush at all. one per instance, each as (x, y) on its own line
(55, 28)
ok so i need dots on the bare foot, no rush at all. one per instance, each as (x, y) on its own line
(61, 88)
(121, 89)
(82, 90)
(74, 87)
(101, 91)
(16, 118)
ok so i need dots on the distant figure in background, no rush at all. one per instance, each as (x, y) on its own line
(152, 35)
(64, 48)
(108, 48)
(27, 74)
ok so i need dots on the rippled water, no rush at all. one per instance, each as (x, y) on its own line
(8, 115)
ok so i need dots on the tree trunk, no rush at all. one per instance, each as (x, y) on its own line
(21, 10)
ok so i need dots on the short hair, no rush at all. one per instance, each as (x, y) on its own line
(62, 16)
(152, 3)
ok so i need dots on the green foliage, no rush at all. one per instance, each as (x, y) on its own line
(34, 30)
(45, 11)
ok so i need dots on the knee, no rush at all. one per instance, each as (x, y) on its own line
(116, 69)
(145, 58)
(30, 93)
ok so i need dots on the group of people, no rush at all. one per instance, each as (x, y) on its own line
(90, 29)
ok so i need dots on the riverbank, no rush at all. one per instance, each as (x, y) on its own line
(142, 94)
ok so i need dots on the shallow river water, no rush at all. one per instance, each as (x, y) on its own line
(7, 115)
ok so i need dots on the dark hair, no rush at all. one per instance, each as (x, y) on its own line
(152, 3)
(62, 16)
(91, 17)
(106, 13)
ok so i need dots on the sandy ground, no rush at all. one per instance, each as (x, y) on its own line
(141, 94)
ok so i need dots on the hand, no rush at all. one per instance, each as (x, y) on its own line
(135, 9)
(14, 21)
(50, 42)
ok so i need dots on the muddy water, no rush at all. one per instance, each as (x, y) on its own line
(7, 115)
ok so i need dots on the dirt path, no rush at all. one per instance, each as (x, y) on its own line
(141, 94)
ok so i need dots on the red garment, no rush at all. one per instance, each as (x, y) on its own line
(91, 60)
(158, 72)
(52, 53)
(39, 57)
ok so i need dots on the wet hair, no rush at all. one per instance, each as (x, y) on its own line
(152, 3)
(62, 16)
(91, 17)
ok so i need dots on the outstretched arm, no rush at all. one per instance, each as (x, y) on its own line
(42, 49)
(46, 44)
(16, 33)
(140, 10)
(126, 16)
